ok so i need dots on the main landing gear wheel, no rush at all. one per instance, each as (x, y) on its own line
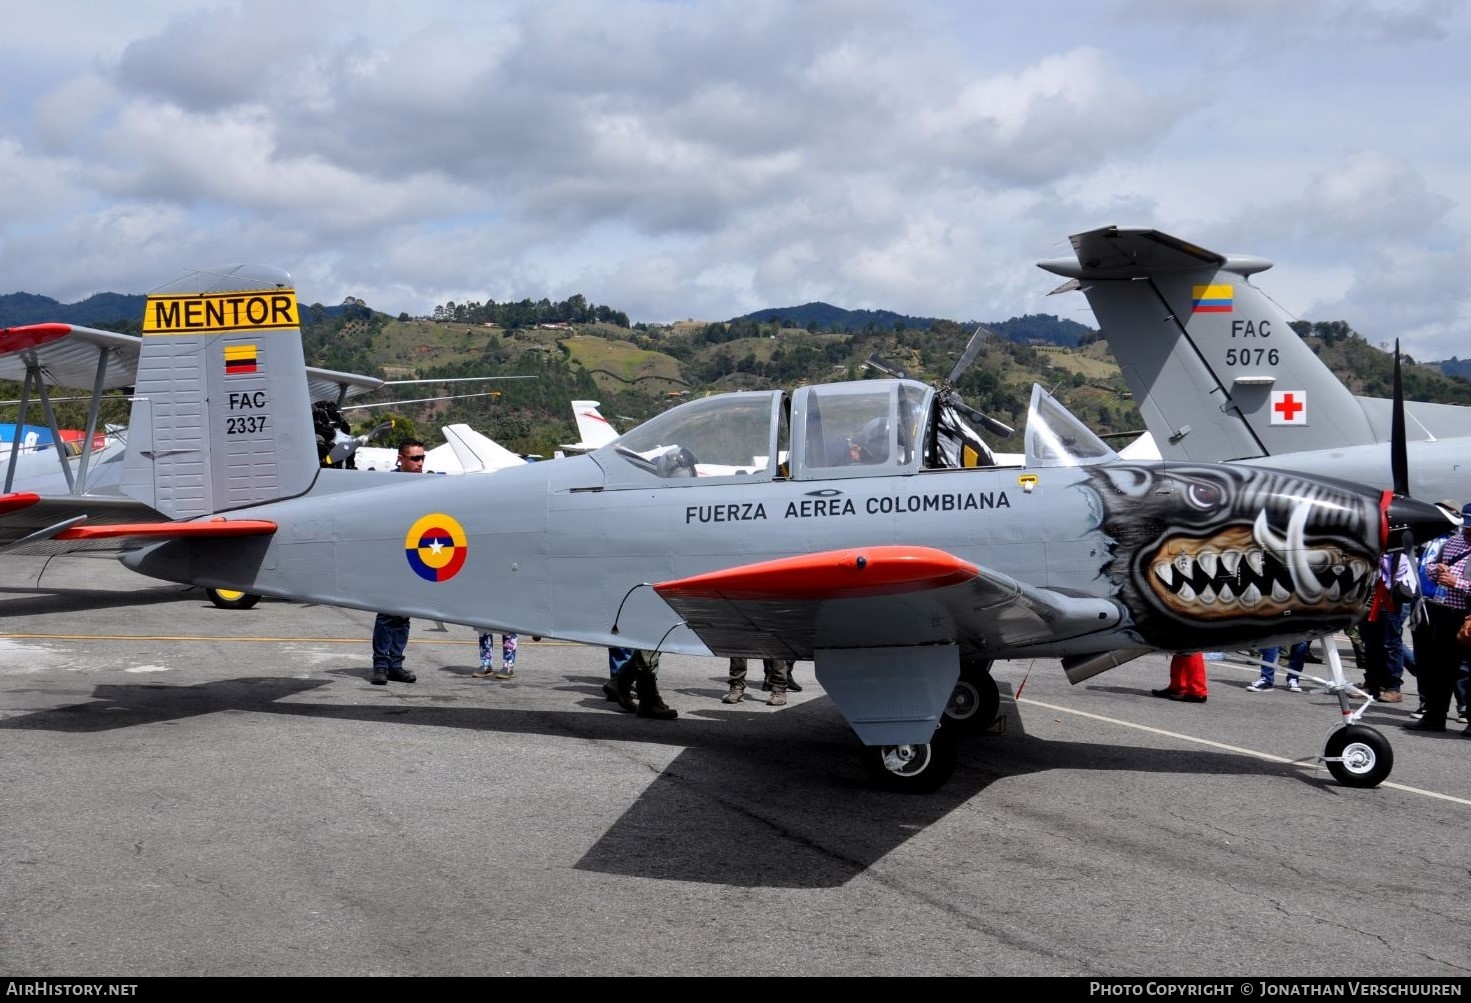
(1358, 756)
(975, 701)
(918, 768)
(232, 598)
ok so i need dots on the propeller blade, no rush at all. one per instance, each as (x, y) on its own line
(378, 430)
(885, 368)
(990, 424)
(1399, 459)
(972, 349)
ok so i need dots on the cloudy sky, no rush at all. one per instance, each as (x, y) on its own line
(707, 158)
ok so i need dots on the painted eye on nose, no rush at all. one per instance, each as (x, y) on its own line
(1204, 495)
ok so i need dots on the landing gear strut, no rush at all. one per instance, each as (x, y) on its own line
(1356, 755)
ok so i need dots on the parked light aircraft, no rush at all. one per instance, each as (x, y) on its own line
(899, 579)
(41, 457)
(1219, 374)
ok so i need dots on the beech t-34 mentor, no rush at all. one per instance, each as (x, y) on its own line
(847, 541)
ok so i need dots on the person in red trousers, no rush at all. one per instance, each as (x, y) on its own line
(1187, 678)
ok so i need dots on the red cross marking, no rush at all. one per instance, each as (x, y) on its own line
(1288, 407)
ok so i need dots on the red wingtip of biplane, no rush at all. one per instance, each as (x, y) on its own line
(18, 501)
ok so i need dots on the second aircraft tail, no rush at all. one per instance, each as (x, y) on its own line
(1214, 366)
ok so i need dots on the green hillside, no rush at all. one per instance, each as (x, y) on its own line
(572, 350)
(637, 372)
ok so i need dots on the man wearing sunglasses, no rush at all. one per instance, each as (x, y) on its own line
(391, 633)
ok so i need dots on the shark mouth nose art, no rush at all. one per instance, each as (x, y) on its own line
(1240, 571)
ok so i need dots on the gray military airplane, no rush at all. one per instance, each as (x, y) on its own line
(1219, 374)
(845, 540)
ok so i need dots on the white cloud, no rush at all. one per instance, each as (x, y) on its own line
(712, 157)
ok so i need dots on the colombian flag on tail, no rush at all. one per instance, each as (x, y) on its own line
(1212, 299)
(241, 359)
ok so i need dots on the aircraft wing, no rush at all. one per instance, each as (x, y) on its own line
(330, 385)
(887, 596)
(69, 356)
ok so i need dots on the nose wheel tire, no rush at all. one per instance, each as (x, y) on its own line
(975, 701)
(1358, 756)
(916, 768)
(232, 598)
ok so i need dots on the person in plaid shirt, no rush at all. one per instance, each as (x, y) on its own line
(1445, 568)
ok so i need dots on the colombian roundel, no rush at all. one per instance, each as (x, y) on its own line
(436, 547)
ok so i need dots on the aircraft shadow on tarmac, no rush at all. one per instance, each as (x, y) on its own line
(756, 798)
(35, 601)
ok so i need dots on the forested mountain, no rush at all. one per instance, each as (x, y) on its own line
(1457, 367)
(825, 317)
(576, 350)
(102, 310)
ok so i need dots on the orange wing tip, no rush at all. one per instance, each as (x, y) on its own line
(172, 530)
(16, 502)
(835, 574)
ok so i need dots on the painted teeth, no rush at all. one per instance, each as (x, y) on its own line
(1231, 560)
(1251, 596)
(1255, 561)
(1165, 573)
(1279, 594)
(1208, 563)
(1226, 595)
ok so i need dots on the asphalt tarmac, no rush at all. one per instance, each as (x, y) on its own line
(194, 791)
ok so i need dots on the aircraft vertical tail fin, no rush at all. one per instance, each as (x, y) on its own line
(1213, 363)
(222, 417)
(593, 430)
(478, 453)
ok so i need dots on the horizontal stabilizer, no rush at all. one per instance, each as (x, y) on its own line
(214, 528)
